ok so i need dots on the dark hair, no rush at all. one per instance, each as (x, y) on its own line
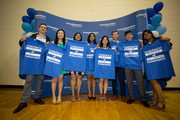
(148, 31)
(101, 44)
(114, 32)
(56, 38)
(76, 34)
(43, 24)
(88, 39)
(127, 32)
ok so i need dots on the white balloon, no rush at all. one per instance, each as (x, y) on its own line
(30, 33)
(156, 34)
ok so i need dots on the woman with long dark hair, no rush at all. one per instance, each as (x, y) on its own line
(90, 66)
(105, 45)
(158, 65)
(76, 75)
(59, 41)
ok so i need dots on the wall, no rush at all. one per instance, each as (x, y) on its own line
(12, 11)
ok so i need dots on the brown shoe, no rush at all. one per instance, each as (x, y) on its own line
(73, 99)
(114, 97)
(54, 100)
(104, 98)
(100, 98)
(58, 100)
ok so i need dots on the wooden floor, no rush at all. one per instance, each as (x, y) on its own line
(86, 109)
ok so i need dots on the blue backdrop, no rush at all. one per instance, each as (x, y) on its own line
(136, 22)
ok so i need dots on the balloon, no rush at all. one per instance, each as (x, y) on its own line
(29, 34)
(149, 21)
(161, 29)
(156, 34)
(150, 27)
(162, 83)
(150, 12)
(26, 27)
(156, 19)
(31, 12)
(26, 18)
(32, 23)
(158, 7)
(159, 13)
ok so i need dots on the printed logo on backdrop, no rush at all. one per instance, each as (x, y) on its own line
(40, 17)
(108, 24)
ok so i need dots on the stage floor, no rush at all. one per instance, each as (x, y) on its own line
(86, 109)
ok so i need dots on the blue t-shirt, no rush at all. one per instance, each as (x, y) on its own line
(158, 63)
(75, 56)
(129, 52)
(113, 45)
(32, 57)
(54, 60)
(90, 58)
(105, 63)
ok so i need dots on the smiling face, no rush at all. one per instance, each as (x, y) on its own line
(42, 29)
(115, 36)
(105, 41)
(92, 38)
(60, 34)
(147, 36)
(78, 37)
(128, 36)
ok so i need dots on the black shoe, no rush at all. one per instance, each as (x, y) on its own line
(89, 97)
(146, 104)
(93, 98)
(130, 101)
(38, 101)
(20, 107)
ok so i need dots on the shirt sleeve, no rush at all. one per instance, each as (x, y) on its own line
(166, 46)
(119, 47)
(22, 50)
(115, 57)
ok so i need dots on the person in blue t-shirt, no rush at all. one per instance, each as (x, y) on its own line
(30, 77)
(158, 65)
(103, 44)
(76, 75)
(119, 71)
(90, 66)
(59, 41)
(130, 55)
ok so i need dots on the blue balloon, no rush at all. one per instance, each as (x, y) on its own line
(26, 18)
(156, 19)
(32, 23)
(150, 12)
(149, 21)
(159, 13)
(31, 12)
(158, 7)
(27, 27)
(162, 83)
(161, 29)
(150, 27)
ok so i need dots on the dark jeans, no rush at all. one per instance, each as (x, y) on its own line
(119, 73)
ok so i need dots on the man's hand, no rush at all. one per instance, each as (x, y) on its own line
(23, 38)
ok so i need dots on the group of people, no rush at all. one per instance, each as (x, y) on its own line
(130, 54)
